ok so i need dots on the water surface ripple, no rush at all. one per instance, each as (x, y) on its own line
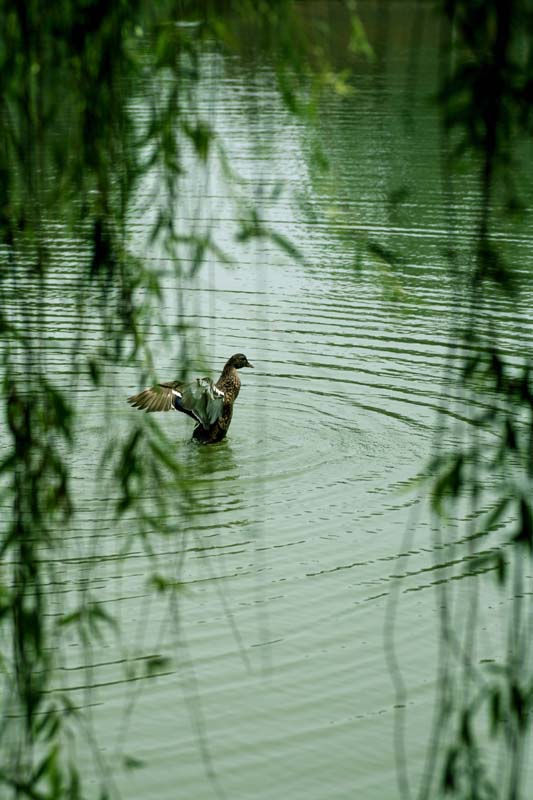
(275, 683)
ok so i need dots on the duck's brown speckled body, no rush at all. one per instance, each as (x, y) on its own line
(210, 404)
(230, 384)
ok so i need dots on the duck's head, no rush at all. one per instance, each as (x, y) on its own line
(239, 361)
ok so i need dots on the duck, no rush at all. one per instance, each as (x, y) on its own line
(209, 403)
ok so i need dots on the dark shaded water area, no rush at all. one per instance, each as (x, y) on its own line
(265, 676)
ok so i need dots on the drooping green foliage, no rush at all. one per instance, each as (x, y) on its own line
(72, 158)
(484, 708)
(73, 155)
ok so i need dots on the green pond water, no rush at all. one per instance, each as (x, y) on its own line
(273, 679)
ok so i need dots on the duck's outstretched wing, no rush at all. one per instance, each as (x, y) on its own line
(200, 399)
(157, 398)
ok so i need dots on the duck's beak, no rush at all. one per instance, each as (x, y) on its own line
(249, 365)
